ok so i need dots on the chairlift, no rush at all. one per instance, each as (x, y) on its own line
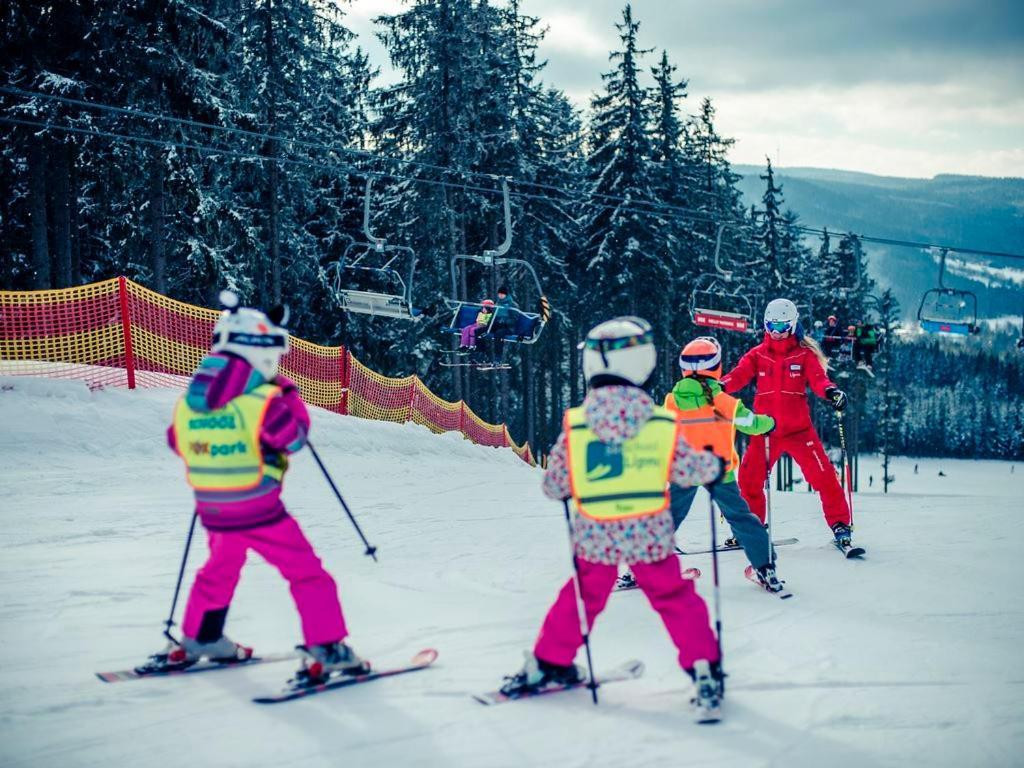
(948, 310)
(522, 327)
(375, 278)
(721, 300)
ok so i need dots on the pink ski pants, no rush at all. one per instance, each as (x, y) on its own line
(674, 598)
(284, 546)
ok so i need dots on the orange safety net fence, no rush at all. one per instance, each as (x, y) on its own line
(117, 333)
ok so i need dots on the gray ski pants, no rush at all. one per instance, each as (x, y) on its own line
(745, 526)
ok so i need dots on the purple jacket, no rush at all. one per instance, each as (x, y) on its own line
(219, 379)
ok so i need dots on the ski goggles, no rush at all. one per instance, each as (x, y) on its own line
(609, 345)
(777, 326)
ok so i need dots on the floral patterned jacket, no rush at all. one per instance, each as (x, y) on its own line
(616, 414)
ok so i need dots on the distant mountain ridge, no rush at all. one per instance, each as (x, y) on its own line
(971, 211)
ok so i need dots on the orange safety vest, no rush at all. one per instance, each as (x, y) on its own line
(710, 426)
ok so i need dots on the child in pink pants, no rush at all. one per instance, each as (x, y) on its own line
(234, 428)
(622, 513)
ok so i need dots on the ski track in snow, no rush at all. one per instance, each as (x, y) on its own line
(909, 657)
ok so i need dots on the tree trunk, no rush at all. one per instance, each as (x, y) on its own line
(59, 188)
(37, 213)
(75, 219)
(157, 253)
(273, 181)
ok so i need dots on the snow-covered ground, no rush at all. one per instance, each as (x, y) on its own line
(911, 657)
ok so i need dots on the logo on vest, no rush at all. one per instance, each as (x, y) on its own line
(224, 421)
(200, 448)
(604, 461)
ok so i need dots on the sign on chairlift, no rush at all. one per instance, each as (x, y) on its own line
(727, 321)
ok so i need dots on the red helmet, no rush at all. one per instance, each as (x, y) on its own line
(702, 355)
(487, 302)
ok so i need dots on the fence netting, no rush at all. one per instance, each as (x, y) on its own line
(117, 333)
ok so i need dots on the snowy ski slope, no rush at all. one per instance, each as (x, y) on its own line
(909, 658)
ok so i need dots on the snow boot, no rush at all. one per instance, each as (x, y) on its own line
(626, 581)
(843, 534)
(538, 674)
(222, 650)
(319, 662)
(768, 578)
(707, 699)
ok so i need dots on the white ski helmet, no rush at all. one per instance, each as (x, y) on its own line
(623, 347)
(257, 337)
(781, 316)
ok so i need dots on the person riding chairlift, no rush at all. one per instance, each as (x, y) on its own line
(483, 320)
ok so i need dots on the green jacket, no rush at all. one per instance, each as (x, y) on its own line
(689, 395)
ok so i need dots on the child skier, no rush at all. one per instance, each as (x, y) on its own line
(482, 323)
(612, 459)
(785, 363)
(233, 428)
(710, 419)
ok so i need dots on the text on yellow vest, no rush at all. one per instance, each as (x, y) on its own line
(221, 448)
(618, 481)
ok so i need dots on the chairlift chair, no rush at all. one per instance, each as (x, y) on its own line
(948, 310)
(721, 300)
(383, 273)
(528, 326)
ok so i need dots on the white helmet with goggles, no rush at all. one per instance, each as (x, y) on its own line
(622, 348)
(781, 316)
(258, 338)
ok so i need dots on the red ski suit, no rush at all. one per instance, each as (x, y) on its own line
(784, 369)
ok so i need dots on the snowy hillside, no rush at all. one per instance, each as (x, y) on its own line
(910, 657)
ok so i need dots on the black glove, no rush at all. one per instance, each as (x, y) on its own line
(837, 397)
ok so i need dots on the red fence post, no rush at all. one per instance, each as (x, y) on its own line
(126, 331)
(345, 380)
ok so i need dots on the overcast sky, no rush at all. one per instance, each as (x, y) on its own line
(894, 87)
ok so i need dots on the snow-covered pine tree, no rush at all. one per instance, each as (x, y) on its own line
(890, 398)
(625, 270)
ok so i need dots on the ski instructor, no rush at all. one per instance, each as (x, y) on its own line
(785, 363)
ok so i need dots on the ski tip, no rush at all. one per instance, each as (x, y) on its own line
(107, 677)
(425, 657)
(854, 553)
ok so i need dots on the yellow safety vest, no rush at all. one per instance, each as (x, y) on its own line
(221, 448)
(613, 482)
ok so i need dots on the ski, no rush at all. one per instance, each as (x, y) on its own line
(421, 660)
(688, 573)
(776, 543)
(850, 551)
(749, 572)
(153, 670)
(630, 670)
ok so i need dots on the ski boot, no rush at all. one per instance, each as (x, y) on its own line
(731, 543)
(626, 581)
(843, 534)
(319, 662)
(183, 655)
(707, 700)
(768, 578)
(537, 674)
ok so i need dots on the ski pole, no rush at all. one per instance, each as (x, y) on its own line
(177, 587)
(847, 478)
(714, 577)
(370, 550)
(768, 497)
(581, 607)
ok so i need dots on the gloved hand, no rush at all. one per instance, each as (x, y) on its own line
(772, 429)
(837, 397)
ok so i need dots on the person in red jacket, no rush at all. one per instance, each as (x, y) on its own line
(785, 363)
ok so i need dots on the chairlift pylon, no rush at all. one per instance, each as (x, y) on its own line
(948, 310)
(520, 327)
(383, 272)
(721, 300)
